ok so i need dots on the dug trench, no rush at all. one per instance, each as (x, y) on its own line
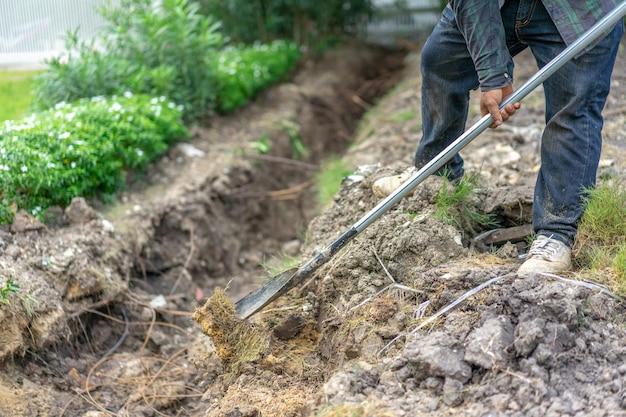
(127, 310)
(101, 322)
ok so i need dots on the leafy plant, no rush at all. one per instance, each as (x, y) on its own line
(455, 205)
(82, 149)
(9, 287)
(162, 48)
(171, 46)
(83, 70)
(242, 71)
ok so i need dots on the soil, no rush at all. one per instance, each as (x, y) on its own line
(126, 309)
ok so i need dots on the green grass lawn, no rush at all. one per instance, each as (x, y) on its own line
(15, 93)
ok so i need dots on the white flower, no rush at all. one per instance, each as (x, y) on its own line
(70, 148)
(24, 168)
(116, 107)
(154, 100)
(14, 138)
(73, 165)
(128, 94)
(139, 152)
(4, 168)
(50, 165)
(171, 105)
(64, 135)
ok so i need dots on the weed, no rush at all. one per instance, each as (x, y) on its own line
(276, 265)
(328, 179)
(263, 145)
(455, 205)
(29, 303)
(412, 213)
(9, 287)
(297, 144)
(600, 244)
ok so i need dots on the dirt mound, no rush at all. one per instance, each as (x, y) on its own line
(408, 319)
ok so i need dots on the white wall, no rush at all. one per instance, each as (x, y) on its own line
(31, 30)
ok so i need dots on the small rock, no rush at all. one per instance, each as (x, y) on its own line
(242, 412)
(24, 222)
(290, 327)
(291, 248)
(79, 212)
(452, 392)
(487, 345)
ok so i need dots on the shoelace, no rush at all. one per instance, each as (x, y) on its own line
(544, 249)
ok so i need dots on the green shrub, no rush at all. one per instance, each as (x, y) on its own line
(82, 149)
(82, 71)
(164, 48)
(242, 71)
(161, 48)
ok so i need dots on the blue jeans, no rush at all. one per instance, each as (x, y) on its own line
(575, 96)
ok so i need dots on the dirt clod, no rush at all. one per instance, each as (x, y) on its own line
(236, 340)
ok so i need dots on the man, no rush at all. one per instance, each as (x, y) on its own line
(471, 47)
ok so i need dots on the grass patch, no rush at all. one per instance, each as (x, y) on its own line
(15, 93)
(328, 179)
(457, 206)
(404, 116)
(600, 245)
(277, 265)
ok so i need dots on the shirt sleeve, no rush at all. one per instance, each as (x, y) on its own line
(481, 24)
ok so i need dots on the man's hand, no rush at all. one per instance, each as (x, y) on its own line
(490, 104)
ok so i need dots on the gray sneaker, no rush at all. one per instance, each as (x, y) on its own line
(547, 255)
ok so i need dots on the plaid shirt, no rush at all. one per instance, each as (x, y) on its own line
(481, 24)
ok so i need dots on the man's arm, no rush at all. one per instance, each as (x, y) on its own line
(481, 25)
